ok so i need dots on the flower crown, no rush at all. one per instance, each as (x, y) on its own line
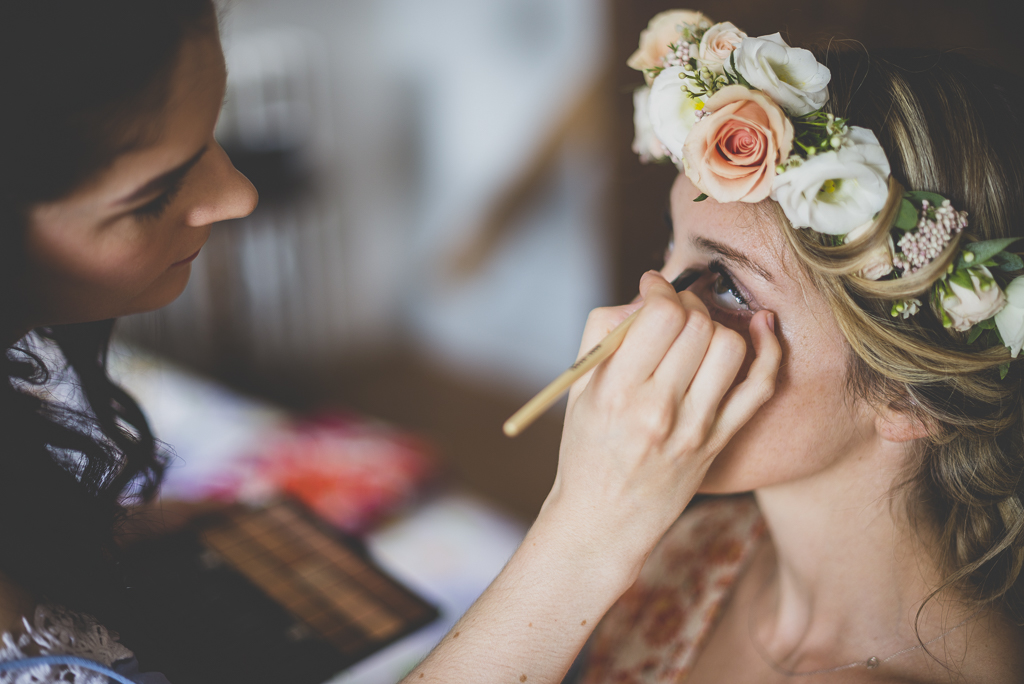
(742, 118)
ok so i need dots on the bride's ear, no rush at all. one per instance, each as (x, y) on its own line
(897, 424)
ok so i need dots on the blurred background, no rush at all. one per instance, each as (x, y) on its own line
(446, 189)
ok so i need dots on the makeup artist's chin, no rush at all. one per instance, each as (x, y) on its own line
(162, 292)
(187, 260)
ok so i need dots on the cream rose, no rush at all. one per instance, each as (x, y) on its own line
(879, 260)
(672, 112)
(1010, 320)
(717, 44)
(732, 152)
(661, 31)
(646, 143)
(790, 76)
(834, 192)
(967, 308)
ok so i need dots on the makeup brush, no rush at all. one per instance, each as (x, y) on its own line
(532, 409)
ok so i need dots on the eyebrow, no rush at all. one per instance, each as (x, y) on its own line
(165, 180)
(730, 254)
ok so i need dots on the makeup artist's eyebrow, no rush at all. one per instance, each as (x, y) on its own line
(730, 254)
(164, 180)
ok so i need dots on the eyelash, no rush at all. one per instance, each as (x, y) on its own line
(155, 207)
(724, 277)
(726, 283)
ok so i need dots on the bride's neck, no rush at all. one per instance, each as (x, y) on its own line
(849, 570)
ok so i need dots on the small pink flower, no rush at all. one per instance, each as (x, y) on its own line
(731, 153)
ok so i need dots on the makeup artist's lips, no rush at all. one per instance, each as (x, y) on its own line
(187, 260)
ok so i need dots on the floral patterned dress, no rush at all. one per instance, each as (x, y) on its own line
(655, 632)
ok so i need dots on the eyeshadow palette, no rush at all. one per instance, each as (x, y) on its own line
(262, 595)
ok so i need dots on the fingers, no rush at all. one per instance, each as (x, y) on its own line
(652, 334)
(757, 388)
(714, 377)
(600, 322)
(683, 358)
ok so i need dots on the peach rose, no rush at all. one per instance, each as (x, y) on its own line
(661, 31)
(732, 152)
(717, 44)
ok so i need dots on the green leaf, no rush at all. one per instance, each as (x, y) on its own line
(700, 198)
(1010, 261)
(975, 333)
(984, 250)
(907, 218)
(918, 195)
(736, 72)
(962, 278)
(1003, 370)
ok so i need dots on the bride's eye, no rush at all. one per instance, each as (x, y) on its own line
(724, 292)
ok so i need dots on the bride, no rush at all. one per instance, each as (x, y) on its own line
(867, 523)
(884, 539)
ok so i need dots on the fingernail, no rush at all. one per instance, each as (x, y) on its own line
(771, 321)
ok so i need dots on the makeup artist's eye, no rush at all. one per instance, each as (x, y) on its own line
(724, 292)
(155, 207)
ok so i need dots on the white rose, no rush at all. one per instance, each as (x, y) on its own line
(1010, 321)
(834, 192)
(967, 308)
(790, 76)
(672, 112)
(879, 259)
(646, 144)
(717, 44)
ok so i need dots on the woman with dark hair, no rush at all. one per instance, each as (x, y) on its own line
(110, 179)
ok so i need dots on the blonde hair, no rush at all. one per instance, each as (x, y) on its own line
(953, 127)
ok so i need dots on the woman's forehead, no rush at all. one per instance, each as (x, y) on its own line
(747, 229)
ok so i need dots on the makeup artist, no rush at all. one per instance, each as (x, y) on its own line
(110, 182)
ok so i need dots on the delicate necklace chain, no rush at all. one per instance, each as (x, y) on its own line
(871, 663)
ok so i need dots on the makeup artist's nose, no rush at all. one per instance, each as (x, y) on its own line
(228, 195)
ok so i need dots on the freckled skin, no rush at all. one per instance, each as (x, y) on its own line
(809, 423)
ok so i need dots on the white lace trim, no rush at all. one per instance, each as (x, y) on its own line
(57, 631)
